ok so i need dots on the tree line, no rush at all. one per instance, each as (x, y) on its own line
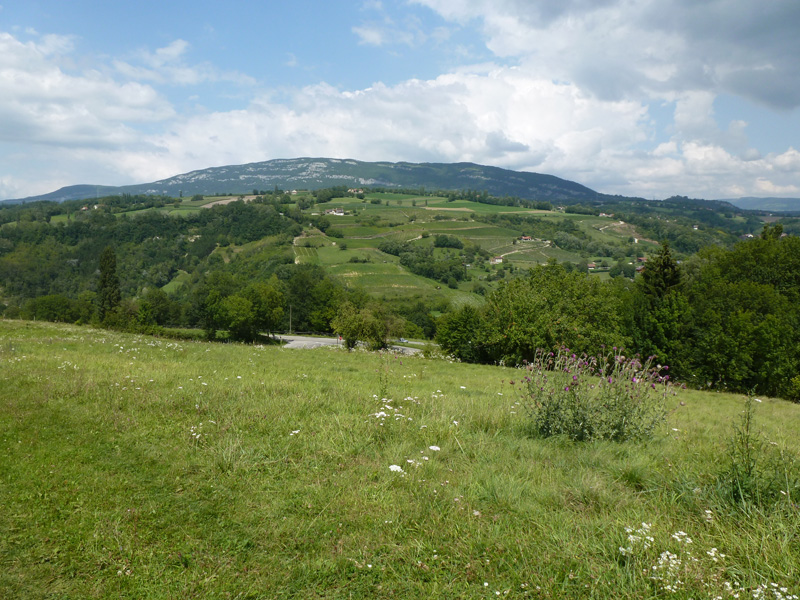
(723, 319)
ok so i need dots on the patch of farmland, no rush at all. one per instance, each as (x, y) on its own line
(304, 255)
(177, 281)
(389, 280)
(334, 255)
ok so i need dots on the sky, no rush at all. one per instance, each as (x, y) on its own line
(649, 98)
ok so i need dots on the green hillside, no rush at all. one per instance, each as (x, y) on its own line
(137, 467)
(491, 279)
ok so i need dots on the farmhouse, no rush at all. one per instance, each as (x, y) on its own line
(337, 212)
(495, 260)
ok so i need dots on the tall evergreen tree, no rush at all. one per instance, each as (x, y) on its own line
(108, 294)
(660, 310)
(661, 274)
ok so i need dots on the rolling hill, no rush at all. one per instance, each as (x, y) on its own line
(317, 173)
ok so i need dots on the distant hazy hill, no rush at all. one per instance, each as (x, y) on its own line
(316, 173)
(768, 204)
(73, 192)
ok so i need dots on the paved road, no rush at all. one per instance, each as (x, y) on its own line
(301, 341)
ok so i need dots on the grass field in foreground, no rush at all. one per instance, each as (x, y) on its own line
(136, 467)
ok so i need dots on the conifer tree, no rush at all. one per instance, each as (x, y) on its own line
(661, 274)
(108, 293)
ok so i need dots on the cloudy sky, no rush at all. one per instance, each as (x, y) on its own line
(638, 97)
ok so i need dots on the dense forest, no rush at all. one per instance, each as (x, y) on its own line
(720, 311)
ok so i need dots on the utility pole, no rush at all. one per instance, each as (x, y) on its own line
(290, 319)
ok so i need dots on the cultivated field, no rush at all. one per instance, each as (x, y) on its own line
(136, 467)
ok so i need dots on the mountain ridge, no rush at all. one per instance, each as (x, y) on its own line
(314, 173)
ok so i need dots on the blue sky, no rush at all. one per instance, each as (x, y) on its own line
(638, 97)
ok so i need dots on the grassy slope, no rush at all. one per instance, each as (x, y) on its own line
(107, 493)
(394, 281)
(384, 278)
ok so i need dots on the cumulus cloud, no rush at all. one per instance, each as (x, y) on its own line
(572, 89)
(620, 47)
(45, 104)
(491, 115)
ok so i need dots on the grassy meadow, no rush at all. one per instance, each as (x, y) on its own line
(137, 467)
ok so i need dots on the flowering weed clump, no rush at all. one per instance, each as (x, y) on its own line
(683, 568)
(603, 397)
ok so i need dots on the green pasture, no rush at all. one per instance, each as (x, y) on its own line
(391, 196)
(528, 256)
(184, 210)
(176, 282)
(388, 280)
(334, 255)
(137, 467)
(306, 255)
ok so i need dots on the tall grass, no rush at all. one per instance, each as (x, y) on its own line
(136, 467)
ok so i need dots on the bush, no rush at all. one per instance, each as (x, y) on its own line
(604, 397)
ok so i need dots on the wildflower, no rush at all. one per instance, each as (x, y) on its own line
(396, 468)
(434, 448)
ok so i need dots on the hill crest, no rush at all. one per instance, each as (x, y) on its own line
(316, 173)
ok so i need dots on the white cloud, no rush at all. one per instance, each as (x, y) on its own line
(569, 93)
(494, 115)
(615, 48)
(369, 35)
(167, 66)
(504, 116)
(42, 103)
(385, 29)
